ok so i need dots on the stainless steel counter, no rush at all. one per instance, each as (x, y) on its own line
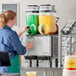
(10, 74)
(42, 71)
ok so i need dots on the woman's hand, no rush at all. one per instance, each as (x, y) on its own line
(29, 45)
(26, 28)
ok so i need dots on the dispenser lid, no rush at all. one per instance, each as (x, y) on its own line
(32, 8)
(47, 8)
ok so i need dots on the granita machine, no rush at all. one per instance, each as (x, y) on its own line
(44, 32)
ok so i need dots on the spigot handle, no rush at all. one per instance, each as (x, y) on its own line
(57, 19)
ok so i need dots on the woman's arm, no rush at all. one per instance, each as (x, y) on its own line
(17, 46)
(20, 34)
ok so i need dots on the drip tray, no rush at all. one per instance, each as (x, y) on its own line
(43, 57)
(38, 57)
(30, 57)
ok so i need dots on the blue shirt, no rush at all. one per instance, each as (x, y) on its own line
(9, 41)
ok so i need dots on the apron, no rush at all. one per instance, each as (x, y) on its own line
(15, 65)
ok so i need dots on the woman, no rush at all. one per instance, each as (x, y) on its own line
(9, 41)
